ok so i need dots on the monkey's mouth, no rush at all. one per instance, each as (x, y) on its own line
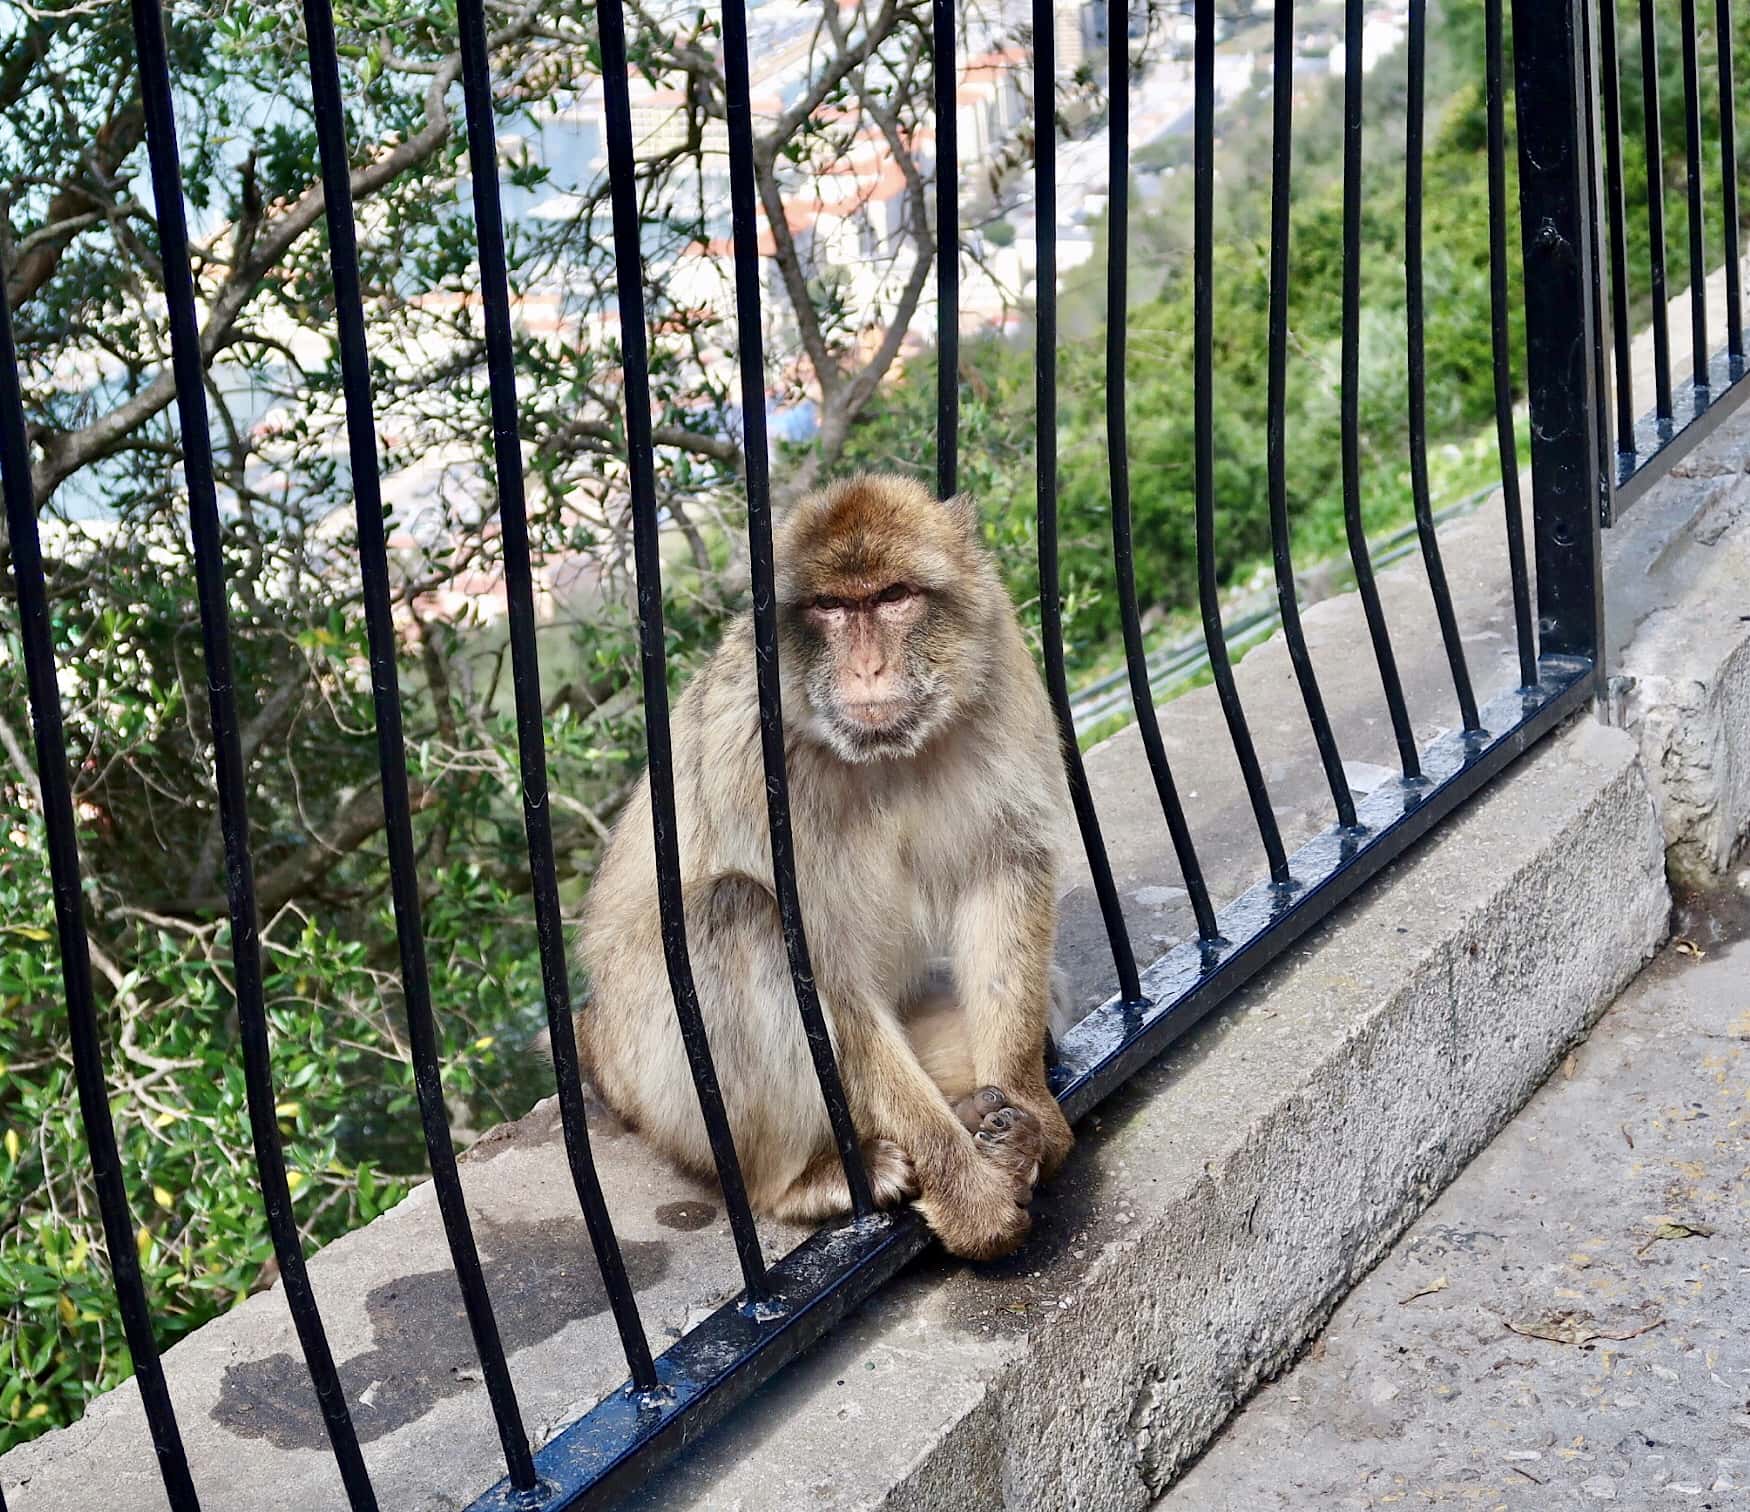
(871, 731)
(876, 717)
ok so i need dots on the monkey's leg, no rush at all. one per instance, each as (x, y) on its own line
(969, 1200)
(935, 1023)
(821, 1191)
(774, 1100)
(1003, 939)
(1007, 1135)
(781, 1131)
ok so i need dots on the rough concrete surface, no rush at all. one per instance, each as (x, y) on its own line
(1565, 1326)
(1678, 617)
(1688, 659)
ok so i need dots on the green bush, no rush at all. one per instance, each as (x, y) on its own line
(346, 1109)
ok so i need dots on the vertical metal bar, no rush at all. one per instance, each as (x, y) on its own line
(63, 842)
(641, 466)
(1525, 635)
(1418, 369)
(1595, 221)
(330, 116)
(1616, 216)
(1203, 405)
(1359, 557)
(1560, 321)
(947, 85)
(749, 338)
(1655, 211)
(228, 765)
(1693, 184)
(1118, 464)
(526, 678)
(1276, 438)
(1729, 187)
(1050, 590)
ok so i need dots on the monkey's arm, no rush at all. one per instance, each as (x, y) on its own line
(1004, 934)
(967, 1199)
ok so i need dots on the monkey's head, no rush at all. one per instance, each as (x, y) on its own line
(886, 600)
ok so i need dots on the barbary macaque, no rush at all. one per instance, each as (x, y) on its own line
(926, 794)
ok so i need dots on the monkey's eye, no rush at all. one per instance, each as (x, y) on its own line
(827, 602)
(893, 593)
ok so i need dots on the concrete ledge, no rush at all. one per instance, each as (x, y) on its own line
(1216, 1210)
(1687, 572)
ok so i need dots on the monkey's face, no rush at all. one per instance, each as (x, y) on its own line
(870, 682)
(879, 584)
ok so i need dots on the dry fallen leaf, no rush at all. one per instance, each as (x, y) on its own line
(1569, 1067)
(1427, 1291)
(1575, 1328)
(1668, 1229)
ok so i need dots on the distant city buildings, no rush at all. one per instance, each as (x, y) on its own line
(847, 213)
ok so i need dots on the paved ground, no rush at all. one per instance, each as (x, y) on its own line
(1569, 1324)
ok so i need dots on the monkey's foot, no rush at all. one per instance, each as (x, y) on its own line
(821, 1191)
(891, 1176)
(1008, 1136)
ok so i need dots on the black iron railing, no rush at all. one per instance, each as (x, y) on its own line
(1571, 205)
(1684, 412)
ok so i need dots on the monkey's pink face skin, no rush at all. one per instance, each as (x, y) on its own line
(865, 682)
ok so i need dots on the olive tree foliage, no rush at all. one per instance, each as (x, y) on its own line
(83, 279)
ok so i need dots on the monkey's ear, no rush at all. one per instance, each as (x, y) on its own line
(963, 511)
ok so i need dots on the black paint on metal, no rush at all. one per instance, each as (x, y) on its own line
(1203, 406)
(1694, 190)
(1525, 635)
(1050, 589)
(1616, 218)
(1560, 326)
(1276, 436)
(749, 338)
(1118, 465)
(1415, 324)
(1354, 12)
(647, 564)
(507, 457)
(1655, 201)
(947, 87)
(330, 119)
(1661, 443)
(229, 775)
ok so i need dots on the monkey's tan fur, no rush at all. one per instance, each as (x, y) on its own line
(925, 792)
